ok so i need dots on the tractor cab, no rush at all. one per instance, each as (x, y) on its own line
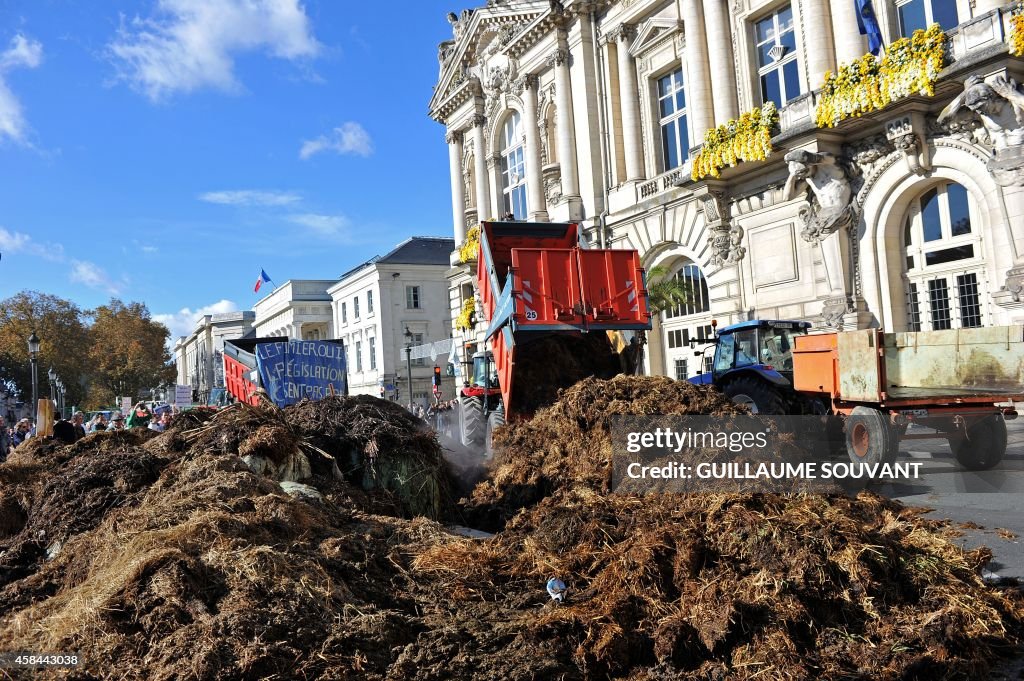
(484, 374)
(753, 361)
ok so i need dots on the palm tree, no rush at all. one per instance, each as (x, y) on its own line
(665, 291)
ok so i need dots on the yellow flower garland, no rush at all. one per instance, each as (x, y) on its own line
(747, 138)
(465, 319)
(1017, 32)
(910, 66)
(471, 246)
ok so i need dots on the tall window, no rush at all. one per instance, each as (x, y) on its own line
(369, 302)
(681, 372)
(417, 339)
(691, 276)
(359, 356)
(373, 353)
(920, 14)
(344, 314)
(513, 168)
(412, 297)
(355, 307)
(675, 139)
(777, 64)
(943, 261)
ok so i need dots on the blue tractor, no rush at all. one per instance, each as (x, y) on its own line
(753, 365)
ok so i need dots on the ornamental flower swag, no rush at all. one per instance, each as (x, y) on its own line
(1017, 31)
(469, 248)
(467, 317)
(747, 138)
(910, 66)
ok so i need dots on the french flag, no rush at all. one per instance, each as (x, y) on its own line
(259, 282)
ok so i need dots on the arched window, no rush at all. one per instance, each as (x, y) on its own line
(944, 262)
(513, 168)
(687, 326)
(693, 278)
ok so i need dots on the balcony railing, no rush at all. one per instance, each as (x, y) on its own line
(667, 180)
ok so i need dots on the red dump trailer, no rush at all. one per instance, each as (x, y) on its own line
(538, 285)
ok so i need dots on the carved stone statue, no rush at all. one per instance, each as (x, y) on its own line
(829, 193)
(999, 105)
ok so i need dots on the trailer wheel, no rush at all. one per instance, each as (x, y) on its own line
(983, 447)
(473, 424)
(495, 419)
(756, 395)
(871, 437)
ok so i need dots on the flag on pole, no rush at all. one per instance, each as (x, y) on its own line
(259, 282)
(867, 22)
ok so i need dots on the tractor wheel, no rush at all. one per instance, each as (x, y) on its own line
(756, 395)
(870, 437)
(473, 423)
(495, 419)
(984, 445)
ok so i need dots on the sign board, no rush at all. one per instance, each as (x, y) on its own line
(296, 370)
(183, 396)
(126, 405)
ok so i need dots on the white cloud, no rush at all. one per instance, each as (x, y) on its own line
(192, 44)
(18, 242)
(250, 197)
(327, 225)
(22, 53)
(184, 320)
(92, 275)
(350, 138)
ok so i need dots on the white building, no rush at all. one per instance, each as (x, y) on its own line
(198, 356)
(594, 111)
(375, 303)
(299, 309)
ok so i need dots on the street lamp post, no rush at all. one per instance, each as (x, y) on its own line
(408, 360)
(33, 358)
(52, 375)
(62, 389)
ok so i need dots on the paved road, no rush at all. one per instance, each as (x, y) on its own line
(992, 499)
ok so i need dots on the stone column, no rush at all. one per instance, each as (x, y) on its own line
(850, 44)
(564, 123)
(818, 43)
(483, 192)
(720, 57)
(699, 105)
(629, 104)
(536, 204)
(454, 140)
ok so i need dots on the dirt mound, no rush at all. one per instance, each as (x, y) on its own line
(569, 443)
(738, 587)
(378, 445)
(164, 563)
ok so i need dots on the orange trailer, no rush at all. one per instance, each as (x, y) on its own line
(964, 383)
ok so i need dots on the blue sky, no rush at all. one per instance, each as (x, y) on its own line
(166, 150)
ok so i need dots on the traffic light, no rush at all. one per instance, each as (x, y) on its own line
(437, 377)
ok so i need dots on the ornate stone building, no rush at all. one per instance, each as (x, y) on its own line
(907, 217)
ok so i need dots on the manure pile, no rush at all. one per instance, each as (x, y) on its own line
(169, 557)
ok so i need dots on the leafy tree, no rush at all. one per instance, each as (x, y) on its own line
(64, 337)
(127, 351)
(665, 291)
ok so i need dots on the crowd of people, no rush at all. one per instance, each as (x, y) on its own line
(71, 430)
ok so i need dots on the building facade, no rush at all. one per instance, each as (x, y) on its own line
(199, 356)
(908, 216)
(299, 309)
(375, 304)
